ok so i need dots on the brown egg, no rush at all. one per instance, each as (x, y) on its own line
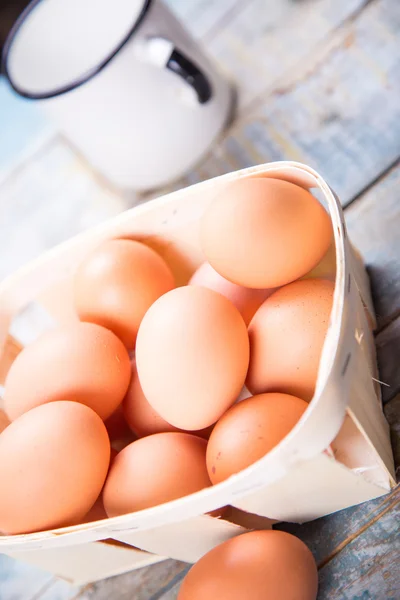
(155, 469)
(264, 233)
(249, 430)
(141, 416)
(245, 299)
(287, 334)
(82, 363)
(260, 565)
(53, 464)
(117, 283)
(192, 355)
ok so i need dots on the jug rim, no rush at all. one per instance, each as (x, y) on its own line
(86, 76)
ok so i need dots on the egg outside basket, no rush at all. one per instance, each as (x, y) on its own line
(338, 454)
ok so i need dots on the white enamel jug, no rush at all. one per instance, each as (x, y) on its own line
(124, 82)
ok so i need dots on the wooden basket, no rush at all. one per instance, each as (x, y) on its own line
(338, 454)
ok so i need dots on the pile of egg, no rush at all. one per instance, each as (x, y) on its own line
(207, 377)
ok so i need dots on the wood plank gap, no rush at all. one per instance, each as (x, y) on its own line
(177, 579)
(362, 529)
(309, 64)
(388, 321)
(224, 20)
(393, 165)
(45, 587)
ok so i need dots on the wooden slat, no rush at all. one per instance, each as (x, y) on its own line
(373, 225)
(202, 17)
(266, 40)
(49, 199)
(20, 581)
(368, 568)
(342, 116)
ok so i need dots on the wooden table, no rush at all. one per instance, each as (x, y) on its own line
(318, 81)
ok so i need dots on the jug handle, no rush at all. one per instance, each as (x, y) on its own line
(163, 53)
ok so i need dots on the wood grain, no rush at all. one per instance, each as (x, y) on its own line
(318, 82)
(341, 116)
(19, 581)
(327, 536)
(266, 41)
(368, 567)
(373, 225)
(51, 197)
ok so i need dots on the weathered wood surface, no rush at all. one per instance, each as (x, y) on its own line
(339, 113)
(388, 348)
(204, 17)
(147, 583)
(318, 82)
(368, 567)
(19, 581)
(373, 224)
(264, 43)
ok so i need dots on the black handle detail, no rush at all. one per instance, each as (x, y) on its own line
(185, 68)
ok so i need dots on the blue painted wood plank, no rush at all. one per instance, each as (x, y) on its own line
(368, 567)
(22, 126)
(57, 589)
(392, 413)
(147, 583)
(328, 535)
(19, 581)
(340, 115)
(373, 226)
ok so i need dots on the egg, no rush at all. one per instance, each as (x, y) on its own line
(53, 463)
(117, 283)
(155, 469)
(249, 430)
(260, 565)
(82, 362)
(287, 334)
(264, 233)
(245, 299)
(192, 355)
(141, 416)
